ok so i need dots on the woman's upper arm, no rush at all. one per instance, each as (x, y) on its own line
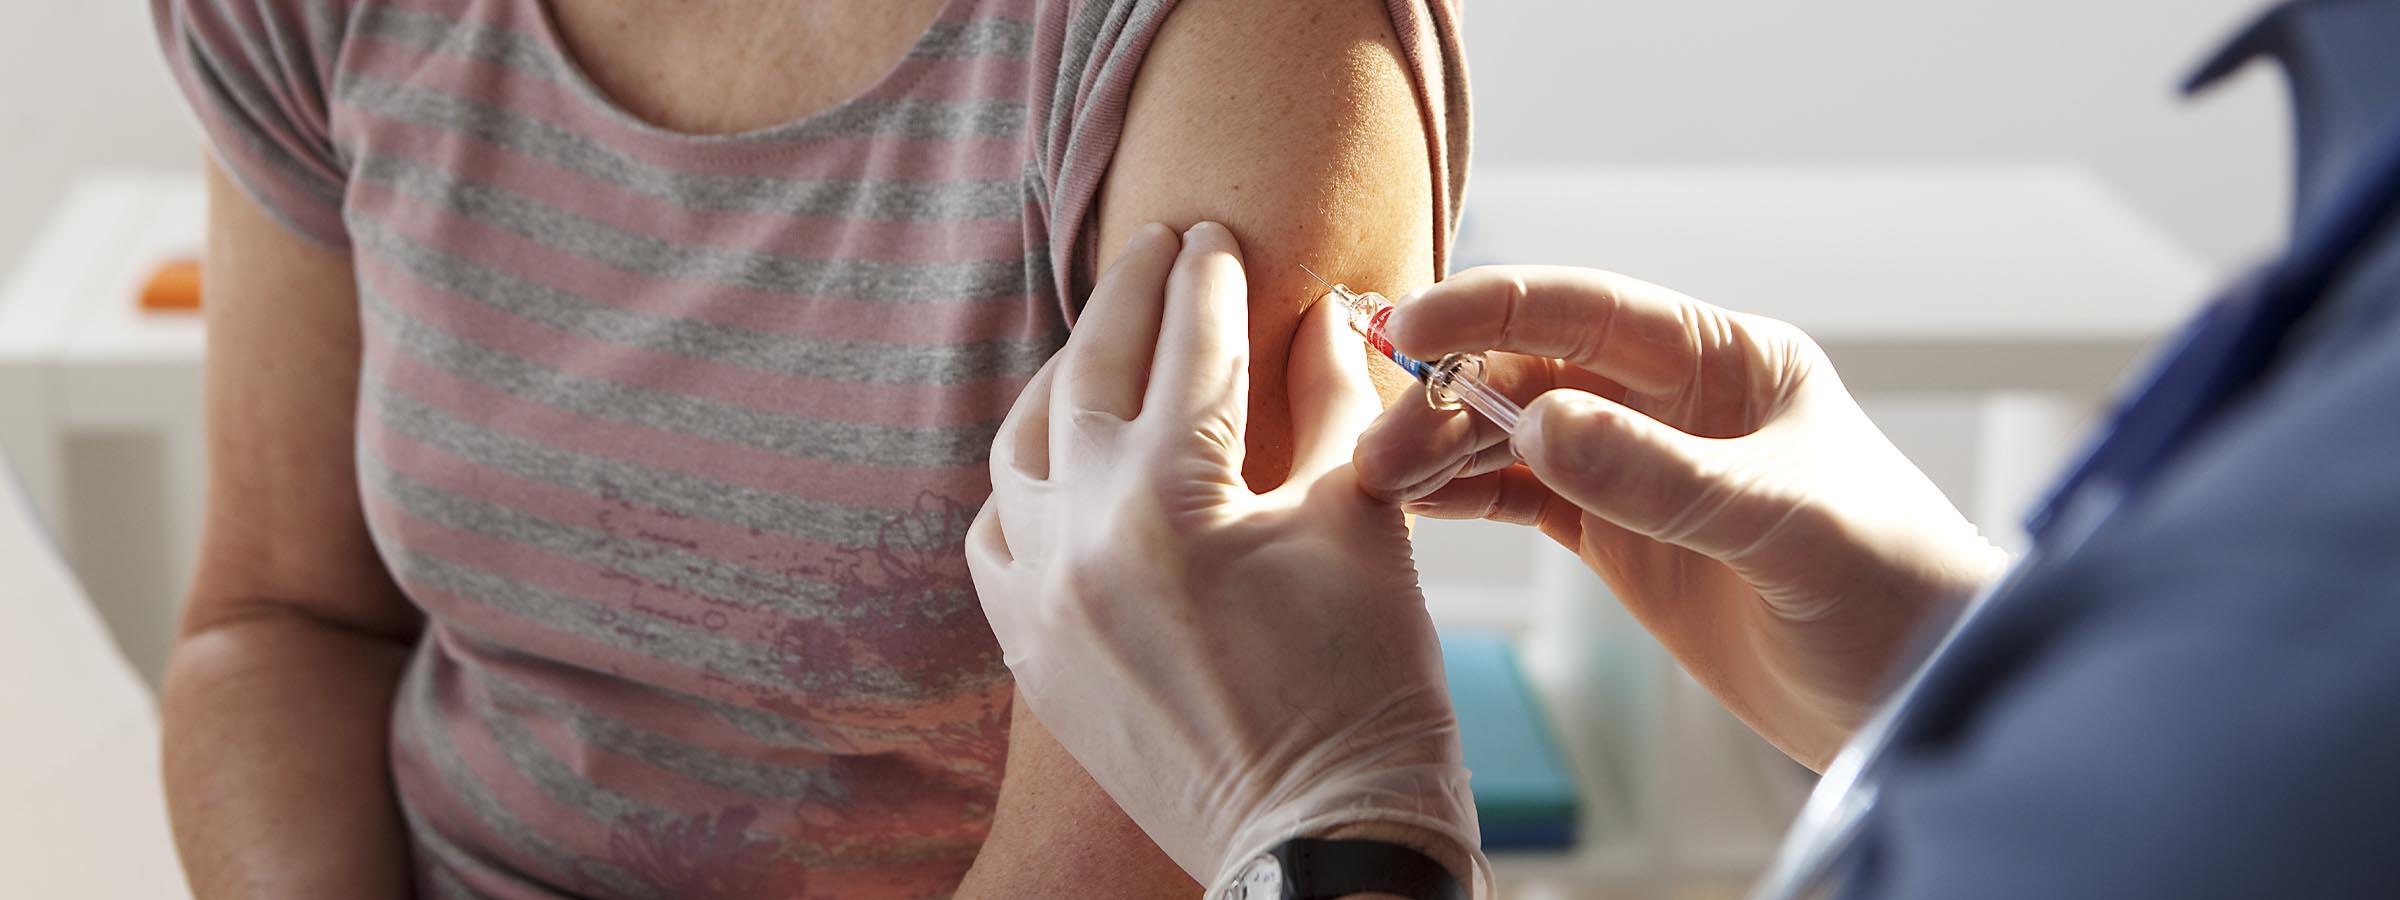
(283, 532)
(1297, 125)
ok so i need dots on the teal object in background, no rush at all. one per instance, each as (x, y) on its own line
(1525, 795)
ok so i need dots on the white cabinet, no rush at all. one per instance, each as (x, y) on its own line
(100, 402)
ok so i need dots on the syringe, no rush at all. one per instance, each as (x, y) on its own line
(1453, 381)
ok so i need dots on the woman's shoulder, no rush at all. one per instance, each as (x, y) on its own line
(260, 18)
(301, 36)
(293, 40)
(257, 74)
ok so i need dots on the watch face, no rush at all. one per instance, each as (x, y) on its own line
(1262, 879)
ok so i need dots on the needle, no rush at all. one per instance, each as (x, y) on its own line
(1312, 273)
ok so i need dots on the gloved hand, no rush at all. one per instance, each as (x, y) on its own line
(1234, 668)
(1707, 464)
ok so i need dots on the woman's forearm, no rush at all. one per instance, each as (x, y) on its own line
(276, 773)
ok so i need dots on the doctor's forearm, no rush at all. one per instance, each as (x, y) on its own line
(276, 776)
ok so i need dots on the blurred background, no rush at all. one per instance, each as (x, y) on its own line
(1985, 209)
(1691, 81)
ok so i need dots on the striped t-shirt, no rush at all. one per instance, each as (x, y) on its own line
(674, 438)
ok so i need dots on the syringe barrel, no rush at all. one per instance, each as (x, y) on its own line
(1369, 312)
(1453, 381)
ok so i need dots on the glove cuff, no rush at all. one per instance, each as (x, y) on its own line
(1431, 799)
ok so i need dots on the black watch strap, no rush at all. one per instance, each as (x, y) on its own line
(1316, 869)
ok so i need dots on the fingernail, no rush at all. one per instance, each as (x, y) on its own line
(1343, 334)
(1148, 232)
(1529, 431)
(1360, 453)
(1391, 326)
(1575, 449)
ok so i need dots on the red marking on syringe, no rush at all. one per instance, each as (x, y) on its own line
(1383, 344)
(1457, 380)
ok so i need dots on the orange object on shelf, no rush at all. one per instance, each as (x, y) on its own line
(174, 287)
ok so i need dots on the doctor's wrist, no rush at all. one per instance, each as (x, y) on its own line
(1461, 861)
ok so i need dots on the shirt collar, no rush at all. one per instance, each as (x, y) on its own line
(2344, 78)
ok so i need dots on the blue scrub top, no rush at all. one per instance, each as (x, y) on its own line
(2201, 700)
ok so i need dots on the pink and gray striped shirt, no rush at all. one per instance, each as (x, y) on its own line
(674, 438)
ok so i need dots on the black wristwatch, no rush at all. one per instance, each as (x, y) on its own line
(1313, 869)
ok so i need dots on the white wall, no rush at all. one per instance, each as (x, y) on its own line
(81, 88)
(1752, 80)
(1556, 80)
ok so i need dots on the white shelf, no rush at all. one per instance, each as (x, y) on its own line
(91, 386)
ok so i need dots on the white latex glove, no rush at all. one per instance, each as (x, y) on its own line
(1707, 464)
(1233, 668)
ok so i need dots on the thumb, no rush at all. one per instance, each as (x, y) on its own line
(1332, 400)
(1634, 471)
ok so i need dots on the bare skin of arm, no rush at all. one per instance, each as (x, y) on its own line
(1293, 124)
(280, 684)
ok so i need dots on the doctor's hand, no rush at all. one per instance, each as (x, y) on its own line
(1234, 668)
(1709, 465)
